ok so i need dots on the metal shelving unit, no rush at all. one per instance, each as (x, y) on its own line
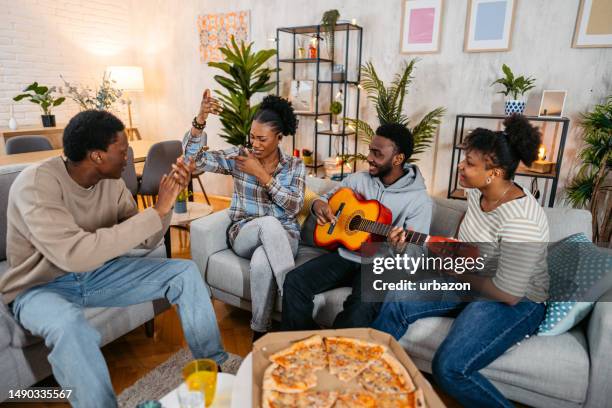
(316, 31)
(454, 191)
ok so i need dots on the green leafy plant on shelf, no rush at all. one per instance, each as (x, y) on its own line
(389, 104)
(517, 86)
(592, 187)
(328, 24)
(335, 109)
(246, 75)
(42, 96)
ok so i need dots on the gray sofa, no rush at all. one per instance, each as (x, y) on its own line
(570, 370)
(23, 357)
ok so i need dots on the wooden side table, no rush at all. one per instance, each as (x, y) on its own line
(183, 220)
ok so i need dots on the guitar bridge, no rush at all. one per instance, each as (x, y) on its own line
(332, 226)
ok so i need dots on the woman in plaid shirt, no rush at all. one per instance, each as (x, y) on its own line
(268, 194)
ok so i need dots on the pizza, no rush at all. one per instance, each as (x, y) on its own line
(308, 354)
(380, 380)
(288, 380)
(401, 400)
(308, 399)
(348, 357)
(386, 375)
(356, 399)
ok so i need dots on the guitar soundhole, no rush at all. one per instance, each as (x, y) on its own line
(354, 223)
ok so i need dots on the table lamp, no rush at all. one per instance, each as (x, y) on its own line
(541, 165)
(128, 79)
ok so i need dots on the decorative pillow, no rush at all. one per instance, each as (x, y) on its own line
(577, 270)
(309, 197)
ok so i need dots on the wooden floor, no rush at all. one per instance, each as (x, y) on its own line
(132, 356)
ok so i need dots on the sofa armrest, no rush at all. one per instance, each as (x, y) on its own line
(208, 236)
(7, 325)
(599, 333)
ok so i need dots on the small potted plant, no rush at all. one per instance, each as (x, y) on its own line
(335, 108)
(42, 96)
(328, 25)
(517, 86)
(307, 157)
(180, 207)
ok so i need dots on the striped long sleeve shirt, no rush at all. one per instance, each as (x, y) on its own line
(517, 235)
(282, 198)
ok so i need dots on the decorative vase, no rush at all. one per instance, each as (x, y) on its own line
(335, 127)
(12, 123)
(307, 160)
(514, 106)
(48, 120)
(180, 207)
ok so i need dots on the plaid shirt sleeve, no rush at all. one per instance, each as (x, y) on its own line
(212, 162)
(291, 196)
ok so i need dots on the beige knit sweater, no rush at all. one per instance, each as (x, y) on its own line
(56, 226)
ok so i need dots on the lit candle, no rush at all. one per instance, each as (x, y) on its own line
(541, 153)
(354, 21)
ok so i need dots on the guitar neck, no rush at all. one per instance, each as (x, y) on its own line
(377, 228)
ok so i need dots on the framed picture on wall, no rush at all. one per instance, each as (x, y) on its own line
(552, 105)
(593, 24)
(488, 26)
(420, 27)
(301, 95)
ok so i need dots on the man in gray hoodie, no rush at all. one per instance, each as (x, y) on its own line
(400, 187)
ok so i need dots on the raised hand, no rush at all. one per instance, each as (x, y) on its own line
(169, 189)
(181, 171)
(250, 165)
(208, 105)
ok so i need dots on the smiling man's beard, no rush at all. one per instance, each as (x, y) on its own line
(384, 170)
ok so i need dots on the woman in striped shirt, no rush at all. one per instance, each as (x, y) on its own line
(268, 195)
(508, 217)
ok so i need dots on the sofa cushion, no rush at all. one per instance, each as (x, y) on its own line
(554, 366)
(230, 273)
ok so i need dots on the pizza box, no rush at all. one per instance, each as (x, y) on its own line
(273, 342)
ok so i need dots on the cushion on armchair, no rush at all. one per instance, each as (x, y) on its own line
(578, 270)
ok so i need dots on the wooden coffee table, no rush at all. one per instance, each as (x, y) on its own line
(182, 220)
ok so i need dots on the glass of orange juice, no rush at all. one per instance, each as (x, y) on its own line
(201, 375)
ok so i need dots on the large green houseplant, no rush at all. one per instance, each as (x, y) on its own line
(389, 104)
(245, 76)
(592, 187)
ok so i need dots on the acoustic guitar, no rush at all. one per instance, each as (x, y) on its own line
(360, 221)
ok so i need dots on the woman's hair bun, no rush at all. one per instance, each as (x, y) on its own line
(287, 121)
(523, 138)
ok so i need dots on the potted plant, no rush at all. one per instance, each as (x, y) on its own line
(335, 108)
(180, 207)
(307, 156)
(517, 86)
(246, 75)
(389, 102)
(592, 185)
(103, 98)
(42, 96)
(328, 24)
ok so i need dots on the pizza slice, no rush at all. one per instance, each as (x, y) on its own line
(309, 354)
(348, 357)
(401, 400)
(386, 375)
(289, 380)
(355, 399)
(308, 399)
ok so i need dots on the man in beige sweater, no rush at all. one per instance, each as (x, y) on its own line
(69, 224)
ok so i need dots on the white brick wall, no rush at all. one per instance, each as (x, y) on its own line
(41, 39)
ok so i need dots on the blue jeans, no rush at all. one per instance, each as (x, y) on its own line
(482, 331)
(54, 311)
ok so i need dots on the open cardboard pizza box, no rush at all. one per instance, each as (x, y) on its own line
(273, 342)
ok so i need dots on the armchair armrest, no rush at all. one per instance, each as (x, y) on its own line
(208, 236)
(599, 333)
(7, 325)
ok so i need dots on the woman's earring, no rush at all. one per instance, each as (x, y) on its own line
(488, 180)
